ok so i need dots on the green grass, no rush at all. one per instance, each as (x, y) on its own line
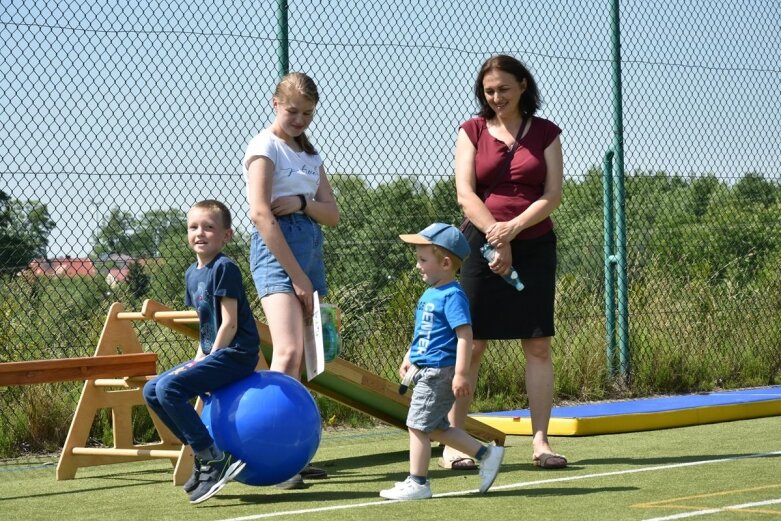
(613, 477)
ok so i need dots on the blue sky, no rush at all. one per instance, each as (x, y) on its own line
(106, 105)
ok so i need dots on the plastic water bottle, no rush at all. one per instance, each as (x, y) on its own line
(512, 279)
(332, 340)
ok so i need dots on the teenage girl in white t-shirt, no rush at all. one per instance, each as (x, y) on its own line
(289, 198)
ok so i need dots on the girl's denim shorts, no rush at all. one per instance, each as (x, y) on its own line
(305, 239)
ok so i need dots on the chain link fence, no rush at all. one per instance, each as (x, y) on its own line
(116, 118)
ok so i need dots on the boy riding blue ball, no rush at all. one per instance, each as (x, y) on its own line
(228, 350)
(437, 363)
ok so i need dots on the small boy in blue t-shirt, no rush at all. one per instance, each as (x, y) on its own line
(227, 352)
(438, 361)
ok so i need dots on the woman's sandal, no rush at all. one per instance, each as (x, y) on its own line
(457, 462)
(550, 460)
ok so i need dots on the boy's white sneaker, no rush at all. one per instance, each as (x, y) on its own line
(489, 467)
(406, 490)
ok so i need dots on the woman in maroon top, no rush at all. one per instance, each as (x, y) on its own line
(515, 219)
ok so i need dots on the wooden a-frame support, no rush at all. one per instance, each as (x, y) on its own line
(121, 395)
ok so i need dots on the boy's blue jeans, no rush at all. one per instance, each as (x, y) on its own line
(169, 394)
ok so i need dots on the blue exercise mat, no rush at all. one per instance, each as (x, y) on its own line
(645, 413)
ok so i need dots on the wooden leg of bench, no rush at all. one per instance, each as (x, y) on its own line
(184, 465)
(122, 426)
(78, 432)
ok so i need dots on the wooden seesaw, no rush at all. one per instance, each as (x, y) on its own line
(114, 378)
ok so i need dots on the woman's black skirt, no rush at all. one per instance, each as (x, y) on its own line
(498, 310)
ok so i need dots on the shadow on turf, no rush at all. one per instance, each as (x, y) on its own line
(343, 467)
(126, 478)
(265, 497)
(662, 460)
(357, 465)
(577, 491)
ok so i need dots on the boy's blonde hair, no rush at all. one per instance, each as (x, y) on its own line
(440, 253)
(216, 207)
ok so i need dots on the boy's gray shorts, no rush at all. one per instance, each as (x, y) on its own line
(432, 398)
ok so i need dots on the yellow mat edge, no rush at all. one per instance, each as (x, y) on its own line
(615, 424)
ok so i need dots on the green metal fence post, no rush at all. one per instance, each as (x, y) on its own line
(618, 148)
(608, 228)
(283, 61)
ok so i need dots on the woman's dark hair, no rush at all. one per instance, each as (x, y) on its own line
(530, 99)
(299, 83)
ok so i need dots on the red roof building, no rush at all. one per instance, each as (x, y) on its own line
(63, 267)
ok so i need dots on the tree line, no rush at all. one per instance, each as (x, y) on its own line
(698, 226)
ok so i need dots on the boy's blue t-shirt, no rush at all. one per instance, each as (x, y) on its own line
(440, 311)
(204, 287)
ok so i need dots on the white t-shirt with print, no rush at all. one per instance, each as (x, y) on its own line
(294, 172)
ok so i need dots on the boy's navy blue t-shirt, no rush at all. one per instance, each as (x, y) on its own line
(204, 287)
(440, 311)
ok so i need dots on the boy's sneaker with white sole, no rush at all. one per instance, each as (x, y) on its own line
(214, 475)
(407, 490)
(192, 482)
(489, 467)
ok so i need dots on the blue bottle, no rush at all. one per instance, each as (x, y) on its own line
(332, 340)
(512, 279)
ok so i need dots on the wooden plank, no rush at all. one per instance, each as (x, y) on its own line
(372, 394)
(127, 453)
(83, 368)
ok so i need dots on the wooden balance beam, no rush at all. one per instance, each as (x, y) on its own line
(70, 369)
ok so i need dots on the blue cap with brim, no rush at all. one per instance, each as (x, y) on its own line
(443, 235)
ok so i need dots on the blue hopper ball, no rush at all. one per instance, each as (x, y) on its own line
(267, 419)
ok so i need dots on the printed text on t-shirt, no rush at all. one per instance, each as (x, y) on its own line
(426, 325)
